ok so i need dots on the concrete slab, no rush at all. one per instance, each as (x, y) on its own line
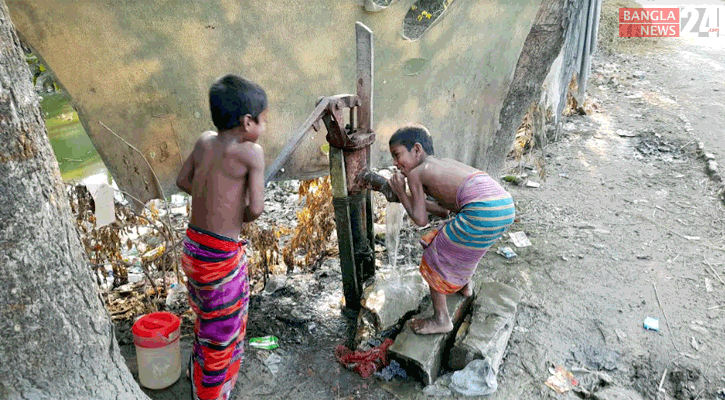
(385, 302)
(491, 324)
(424, 353)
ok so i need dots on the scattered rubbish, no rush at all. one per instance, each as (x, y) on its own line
(177, 300)
(692, 238)
(391, 371)
(520, 239)
(105, 211)
(272, 363)
(652, 324)
(516, 180)
(561, 380)
(638, 74)
(264, 342)
(620, 334)
(153, 253)
(708, 285)
(694, 344)
(626, 133)
(506, 252)
(477, 379)
(365, 363)
(532, 184)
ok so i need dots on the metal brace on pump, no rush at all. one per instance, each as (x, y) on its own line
(345, 137)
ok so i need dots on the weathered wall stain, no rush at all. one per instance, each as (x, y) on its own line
(144, 69)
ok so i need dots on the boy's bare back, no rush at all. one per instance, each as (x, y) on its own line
(227, 179)
(441, 178)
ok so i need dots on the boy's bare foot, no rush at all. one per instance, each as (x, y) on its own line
(430, 325)
(466, 291)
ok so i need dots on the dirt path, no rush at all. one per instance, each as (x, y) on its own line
(623, 228)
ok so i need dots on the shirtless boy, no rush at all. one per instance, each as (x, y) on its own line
(224, 174)
(484, 211)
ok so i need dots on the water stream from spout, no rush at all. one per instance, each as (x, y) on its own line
(394, 213)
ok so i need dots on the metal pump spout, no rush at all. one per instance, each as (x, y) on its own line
(370, 180)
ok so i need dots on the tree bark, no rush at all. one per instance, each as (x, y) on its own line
(56, 338)
(542, 46)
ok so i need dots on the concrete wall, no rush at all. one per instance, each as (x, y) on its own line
(144, 68)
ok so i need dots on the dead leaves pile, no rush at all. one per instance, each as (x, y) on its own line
(315, 223)
(266, 250)
(309, 243)
(103, 246)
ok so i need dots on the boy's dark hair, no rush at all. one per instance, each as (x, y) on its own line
(411, 134)
(232, 97)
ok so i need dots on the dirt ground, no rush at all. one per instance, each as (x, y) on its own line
(623, 228)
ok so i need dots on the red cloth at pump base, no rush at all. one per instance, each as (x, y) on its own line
(365, 363)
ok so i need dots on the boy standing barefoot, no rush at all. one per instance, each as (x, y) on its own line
(224, 174)
(484, 211)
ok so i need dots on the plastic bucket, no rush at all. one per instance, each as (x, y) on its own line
(156, 337)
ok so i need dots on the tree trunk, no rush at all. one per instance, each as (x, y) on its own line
(542, 46)
(56, 338)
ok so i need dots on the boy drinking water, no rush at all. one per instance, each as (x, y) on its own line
(484, 211)
(224, 174)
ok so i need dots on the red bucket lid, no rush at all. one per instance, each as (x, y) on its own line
(151, 325)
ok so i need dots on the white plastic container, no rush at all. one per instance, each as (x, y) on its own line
(156, 337)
